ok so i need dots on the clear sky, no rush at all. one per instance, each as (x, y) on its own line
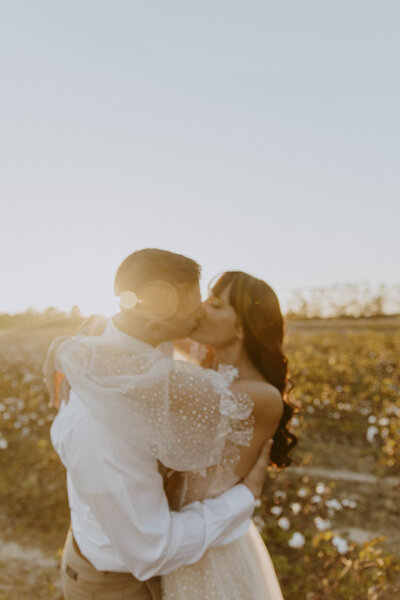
(257, 135)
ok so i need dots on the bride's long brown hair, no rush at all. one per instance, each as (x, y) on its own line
(257, 307)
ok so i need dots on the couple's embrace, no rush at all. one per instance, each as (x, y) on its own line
(165, 457)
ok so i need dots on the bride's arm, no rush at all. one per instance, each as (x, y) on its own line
(182, 414)
(204, 415)
(55, 381)
(56, 384)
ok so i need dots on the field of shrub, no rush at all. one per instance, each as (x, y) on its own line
(331, 521)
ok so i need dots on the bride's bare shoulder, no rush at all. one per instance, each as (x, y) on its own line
(267, 398)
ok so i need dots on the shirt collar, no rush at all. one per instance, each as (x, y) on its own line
(113, 334)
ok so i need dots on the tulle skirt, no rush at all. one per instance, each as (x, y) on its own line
(241, 570)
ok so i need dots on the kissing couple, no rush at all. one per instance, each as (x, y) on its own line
(166, 457)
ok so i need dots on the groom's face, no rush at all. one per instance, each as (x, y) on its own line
(173, 310)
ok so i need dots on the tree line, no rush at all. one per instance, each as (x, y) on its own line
(337, 301)
(34, 318)
(350, 300)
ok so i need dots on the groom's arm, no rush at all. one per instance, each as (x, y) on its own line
(125, 494)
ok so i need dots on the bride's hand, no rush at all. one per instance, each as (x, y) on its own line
(254, 481)
(55, 382)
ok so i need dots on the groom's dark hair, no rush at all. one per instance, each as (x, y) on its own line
(150, 264)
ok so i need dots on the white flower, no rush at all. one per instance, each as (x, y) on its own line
(334, 504)
(302, 492)
(316, 499)
(20, 404)
(372, 431)
(28, 376)
(311, 409)
(280, 495)
(322, 524)
(295, 422)
(385, 432)
(295, 507)
(284, 523)
(277, 510)
(297, 540)
(3, 444)
(258, 503)
(320, 488)
(372, 419)
(349, 503)
(258, 522)
(392, 409)
(340, 544)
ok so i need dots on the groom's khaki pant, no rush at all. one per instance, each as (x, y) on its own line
(81, 581)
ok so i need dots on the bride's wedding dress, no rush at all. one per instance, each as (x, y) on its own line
(241, 570)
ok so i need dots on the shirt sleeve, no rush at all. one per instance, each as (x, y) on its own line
(125, 494)
(183, 415)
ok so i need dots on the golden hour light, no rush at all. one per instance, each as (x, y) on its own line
(128, 300)
(159, 299)
(200, 300)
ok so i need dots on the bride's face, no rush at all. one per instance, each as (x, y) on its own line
(219, 325)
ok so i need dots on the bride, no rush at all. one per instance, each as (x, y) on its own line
(242, 326)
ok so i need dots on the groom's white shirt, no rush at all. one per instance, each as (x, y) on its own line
(119, 512)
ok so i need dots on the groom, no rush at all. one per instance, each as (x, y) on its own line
(123, 534)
